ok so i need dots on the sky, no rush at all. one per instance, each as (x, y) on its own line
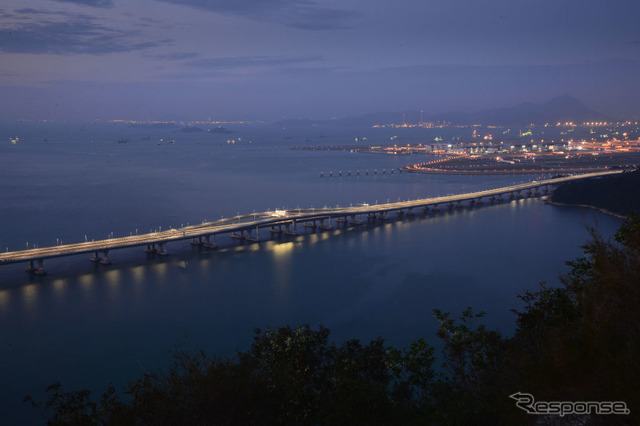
(79, 60)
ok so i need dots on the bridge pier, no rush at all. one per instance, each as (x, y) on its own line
(38, 270)
(450, 205)
(323, 226)
(342, 219)
(291, 228)
(105, 258)
(382, 216)
(371, 216)
(253, 239)
(479, 201)
(162, 249)
(151, 248)
(354, 221)
(410, 211)
(210, 241)
(273, 230)
(459, 204)
(197, 242)
(400, 212)
(311, 225)
(237, 236)
(96, 258)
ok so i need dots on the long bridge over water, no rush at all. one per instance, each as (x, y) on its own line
(247, 227)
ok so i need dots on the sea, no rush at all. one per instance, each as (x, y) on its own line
(88, 325)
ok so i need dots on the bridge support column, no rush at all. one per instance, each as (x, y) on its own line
(250, 238)
(400, 212)
(341, 219)
(371, 216)
(210, 241)
(450, 205)
(162, 249)
(459, 204)
(273, 230)
(151, 248)
(355, 221)
(105, 258)
(291, 228)
(311, 225)
(39, 270)
(95, 258)
(327, 226)
(30, 267)
(197, 242)
(479, 201)
(237, 236)
(410, 211)
(382, 216)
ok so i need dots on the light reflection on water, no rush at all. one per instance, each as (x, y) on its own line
(30, 296)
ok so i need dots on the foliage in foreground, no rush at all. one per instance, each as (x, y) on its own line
(577, 342)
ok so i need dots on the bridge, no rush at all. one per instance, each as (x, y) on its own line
(247, 227)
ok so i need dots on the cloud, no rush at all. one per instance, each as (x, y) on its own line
(174, 56)
(92, 3)
(74, 34)
(252, 61)
(317, 18)
(301, 14)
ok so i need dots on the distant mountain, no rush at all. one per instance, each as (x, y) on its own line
(561, 108)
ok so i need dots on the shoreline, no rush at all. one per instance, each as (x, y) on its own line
(600, 209)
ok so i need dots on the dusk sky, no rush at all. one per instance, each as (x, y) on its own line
(270, 59)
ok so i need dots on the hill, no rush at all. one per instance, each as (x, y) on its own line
(561, 108)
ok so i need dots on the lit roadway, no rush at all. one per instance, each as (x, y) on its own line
(272, 219)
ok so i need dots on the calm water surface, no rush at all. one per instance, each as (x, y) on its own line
(87, 325)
